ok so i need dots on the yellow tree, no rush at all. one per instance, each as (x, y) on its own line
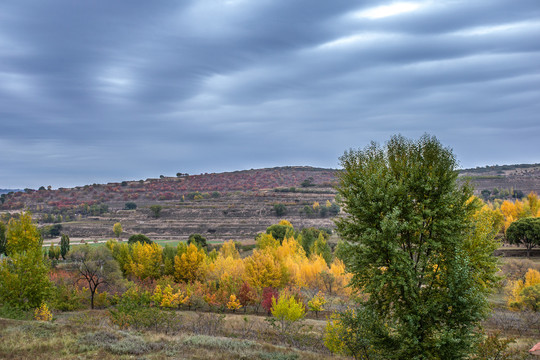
(117, 229)
(533, 204)
(263, 270)
(145, 260)
(228, 249)
(285, 223)
(265, 241)
(189, 266)
(22, 235)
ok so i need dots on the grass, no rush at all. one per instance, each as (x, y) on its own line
(89, 334)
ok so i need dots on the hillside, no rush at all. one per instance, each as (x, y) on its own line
(221, 206)
(234, 205)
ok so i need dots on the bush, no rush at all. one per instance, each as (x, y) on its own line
(139, 238)
(155, 210)
(198, 240)
(130, 206)
(280, 209)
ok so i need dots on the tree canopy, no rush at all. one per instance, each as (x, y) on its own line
(525, 231)
(405, 229)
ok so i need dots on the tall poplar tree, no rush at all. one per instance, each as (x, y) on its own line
(407, 229)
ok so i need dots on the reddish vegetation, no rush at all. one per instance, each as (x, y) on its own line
(170, 188)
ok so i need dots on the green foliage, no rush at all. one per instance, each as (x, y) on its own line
(130, 206)
(287, 311)
(405, 232)
(54, 252)
(64, 246)
(198, 240)
(280, 209)
(530, 297)
(279, 232)
(321, 247)
(3, 240)
(307, 182)
(351, 333)
(525, 231)
(95, 266)
(155, 210)
(24, 281)
(139, 238)
(51, 231)
(22, 235)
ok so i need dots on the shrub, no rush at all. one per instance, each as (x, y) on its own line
(130, 206)
(287, 311)
(155, 210)
(42, 313)
(139, 238)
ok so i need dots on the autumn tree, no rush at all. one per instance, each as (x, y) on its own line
(405, 227)
(525, 231)
(24, 281)
(117, 229)
(96, 267)
(145, 260)
(22, 235)
(189, 266)
(263, 270)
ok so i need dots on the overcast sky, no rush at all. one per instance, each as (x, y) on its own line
(100, 91)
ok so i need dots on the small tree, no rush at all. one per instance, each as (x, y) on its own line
(64, 246)
(280, 209)
(316, 304)
(139, 238)
(198, 240)
(525, 231)
(96, 267)
(130, 206)
(156, 210)
(288, 312)
(117, 229)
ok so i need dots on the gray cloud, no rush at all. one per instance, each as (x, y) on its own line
(105, 91)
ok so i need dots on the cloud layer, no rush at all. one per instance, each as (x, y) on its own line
(102, 91)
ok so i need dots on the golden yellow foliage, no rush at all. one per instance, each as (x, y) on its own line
(285, 223)
(42, 313)
(233, 303)
(266, 241)
(22, 234)
(532, 277)
(190, 265)
(263, 270)
(145, 260)
(228, 249)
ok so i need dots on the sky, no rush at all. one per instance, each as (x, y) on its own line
(104, 91)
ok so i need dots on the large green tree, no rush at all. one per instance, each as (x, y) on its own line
(407, 228)
(525, 231)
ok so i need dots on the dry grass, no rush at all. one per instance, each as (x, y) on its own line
(89, 334)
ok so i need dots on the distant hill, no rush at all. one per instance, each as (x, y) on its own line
(7, 191)
(222, 206)
(503, 181)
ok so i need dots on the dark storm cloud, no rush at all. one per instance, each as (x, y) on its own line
(105, 91)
